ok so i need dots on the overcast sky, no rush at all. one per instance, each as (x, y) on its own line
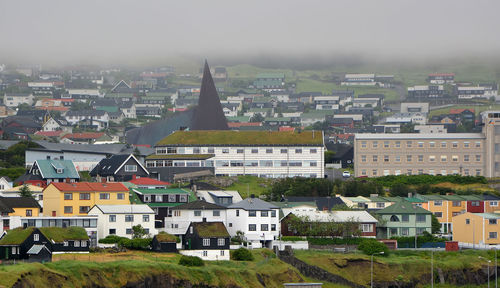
(116, 31)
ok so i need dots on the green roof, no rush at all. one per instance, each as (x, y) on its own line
(154, 205)
(488, 215)
(472, 197)
(57, 234)
(271, 119)
(293, 204)
(259, 110)
(238, 119)
(109, 109)
(414, 200)
(119, 95)
(165, 237)
(162, 191)
(228, 137)
(48, 169)
(179, 156)
(210, 229)
(403, 207)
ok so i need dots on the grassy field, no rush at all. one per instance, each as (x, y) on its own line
(477, 108)
(247, 185)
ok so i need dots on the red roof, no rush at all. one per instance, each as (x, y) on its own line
(458, 111)
(286, 128)
(441, 74)
(243, 124)
(148, 181)
(90, 187)
(53, 108)
(62, 100)
(49, 133)
(85, 135)
(344, 136)
(177, 109)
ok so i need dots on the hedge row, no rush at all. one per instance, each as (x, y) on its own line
(390, 180)
(334, 241)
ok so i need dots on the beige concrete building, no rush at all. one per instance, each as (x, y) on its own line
(429, 153)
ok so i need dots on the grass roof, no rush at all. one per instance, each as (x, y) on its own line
(165, 237)
(179, 156)
(228, 137)
(16, 236)
(57, 234)
(210, 229)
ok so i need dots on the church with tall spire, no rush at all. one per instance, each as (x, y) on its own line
(208, 115)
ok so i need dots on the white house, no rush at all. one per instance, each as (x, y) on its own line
(13, 100)
(83, 94)
(359, 79)
(5, 183)
(197, 211)
(97, 118)
(257, 219)
(54, 125)
(119, 219)
(326, 102)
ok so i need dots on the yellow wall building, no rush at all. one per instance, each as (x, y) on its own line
(76, 199)
(477, 228)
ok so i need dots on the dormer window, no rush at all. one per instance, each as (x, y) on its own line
(130, 168)
(59, 170)
(36, 237)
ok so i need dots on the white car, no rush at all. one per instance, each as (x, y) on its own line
(346, 174)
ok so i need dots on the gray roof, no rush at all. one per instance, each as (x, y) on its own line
(82, 148)
(86, 113)
(253, 204)
(35, 249)
(5, 144)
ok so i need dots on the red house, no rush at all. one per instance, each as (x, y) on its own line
(475, 204)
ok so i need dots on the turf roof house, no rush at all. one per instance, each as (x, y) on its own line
(260, 153)
(118, 168)
(403, 219)
(164, 242)
(47, 171)
(162, 201)
(27, 243)
(207, 240)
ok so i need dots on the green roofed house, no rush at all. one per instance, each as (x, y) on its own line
(403, 219)
(271, 154)
(207, 240)
(51, 170)
(163, 200)
(270, 82)
(38, 244)
(164, 242)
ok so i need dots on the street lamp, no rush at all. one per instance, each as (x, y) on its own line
(371, 274)
(489, 261)
(432, 268)
(496, 268)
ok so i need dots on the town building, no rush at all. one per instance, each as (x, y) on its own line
(75, 199)
(50, 170)
(470, 92)
(207, 240)
(13, 100)
(359, 80)
(477, 229)
(410, 107)
(403, 219)
(196, 211)
(118, 168)
(270, 82)
(441, 78)
(425, 91)
(259, 153)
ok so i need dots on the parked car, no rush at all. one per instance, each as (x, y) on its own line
(346, 174)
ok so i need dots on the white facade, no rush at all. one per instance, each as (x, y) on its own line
(4, 184)
(119, 219)
(422, 107)
(209, 254)
(326, 102)
(363, 102)
(13, 100)
(83, 161)
(355, 117)
(83, 93)
(471, 92)
(359, 79)
(181, 219)
(99, 120)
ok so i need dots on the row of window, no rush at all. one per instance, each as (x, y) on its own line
(81, 210)
(253, 213)
(128, 231)
(281, 175)
(86, 223)
(230, 163)
(172, 198)
(211, 150)
(420, 158)
(386, 172)
(263, 227)
(220, 241)
(420, 144)
(128, 218)
(102, 196)
(405, 231)
(406, 218)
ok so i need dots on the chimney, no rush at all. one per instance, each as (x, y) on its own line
(194, 188)
(67, 180)
(410, 195)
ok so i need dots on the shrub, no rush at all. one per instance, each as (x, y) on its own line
(136, 244)
(111, 239)
(334, 241)
(191, 261)
(242, 254)
(372, 246)
(291, 238)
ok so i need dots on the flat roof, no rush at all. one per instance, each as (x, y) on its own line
(412, 136)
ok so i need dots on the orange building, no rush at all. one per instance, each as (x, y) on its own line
(477, 228)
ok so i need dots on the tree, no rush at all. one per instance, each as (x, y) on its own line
(257, 117)
(24, 107)
(408, 128)
(435, 225)
(329, 156)
(399, 189)
(138, 231)
(25, 191)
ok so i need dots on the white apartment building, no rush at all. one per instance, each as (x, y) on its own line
(269, 154)
(359, 79)
(119, 219)
(82, 94)
(13, 100)
(326, 102)
(471, 92)
(421, 107)
(197, 211)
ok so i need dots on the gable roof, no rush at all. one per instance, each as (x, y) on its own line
(403, 207)
(48, 169)
(90, 187)
(110, 166)
(18, 202)
(165, 237)
(232, 137)
(36, 249)
(124, 209)
(199, 205)
(148, 182)
(336, 216)
(167, 191)
(210, 229)
(84, 135)
(252, 204)
(55, 234)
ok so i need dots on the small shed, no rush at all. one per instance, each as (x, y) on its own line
(39, 253)
(164, 242)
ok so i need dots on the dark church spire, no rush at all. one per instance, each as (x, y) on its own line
(208, 115)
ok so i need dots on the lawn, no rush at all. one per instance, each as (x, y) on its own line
(477, 108)
(248, 185)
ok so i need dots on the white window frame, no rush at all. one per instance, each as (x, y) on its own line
(206, 241)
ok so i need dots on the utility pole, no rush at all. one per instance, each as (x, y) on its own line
(432, 268)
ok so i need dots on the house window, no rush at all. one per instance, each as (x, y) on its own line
(375, 158)
(104, 196)
(363, 158)
(478, 144)
(237, 213)
(65, 243)
(298, 151)
(408, 144)
(273, 227)
(466, 144)
(83, 243)
(264, 213)
(158, 198)
(212, 150)
(443, 144)
(147, 198)
(494, 203)
(408, 158)
(76, 243)
(405, 218)
(492, 221)
(432, 144)
(438, 203)
(363, 144)
(264, 227)
(405, 231)
(84, 196)
(252, 227)
(454, 144)
(478, 158)
(84, 209)
(398, 144)
(112, 218)
(145, 218)
(466, 158)
(205, 253)
(216, 213)
(221, 242)
(36, 237)
(177, 213)
(255, 151)
(394, 218)
(467, 221)
(380, 205)
(29, 212)
(474, 203)
(386, 144)
(443, 158)
(273, 213)
(284, 151)
(183, 198)
(313, 151)
(112, 231)
(129, 231)
(252, 213)
(206, 241)
(197, 213)
(432, 158)
(420, 218)
(269, 151)
(120, 196)
(420, 144)
(221, 252)
(130, 168)
(438, 214)
(456, 203)
(386, 158)
(68, 196)
(68, 209)
(239, 151)
(375, 144)
(129, 218)
(493, 235)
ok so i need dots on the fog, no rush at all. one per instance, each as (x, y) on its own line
(144, 32)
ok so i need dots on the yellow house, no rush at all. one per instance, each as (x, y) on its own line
(76, 199)
(19, 206)
(477, 228)
(445, 207)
